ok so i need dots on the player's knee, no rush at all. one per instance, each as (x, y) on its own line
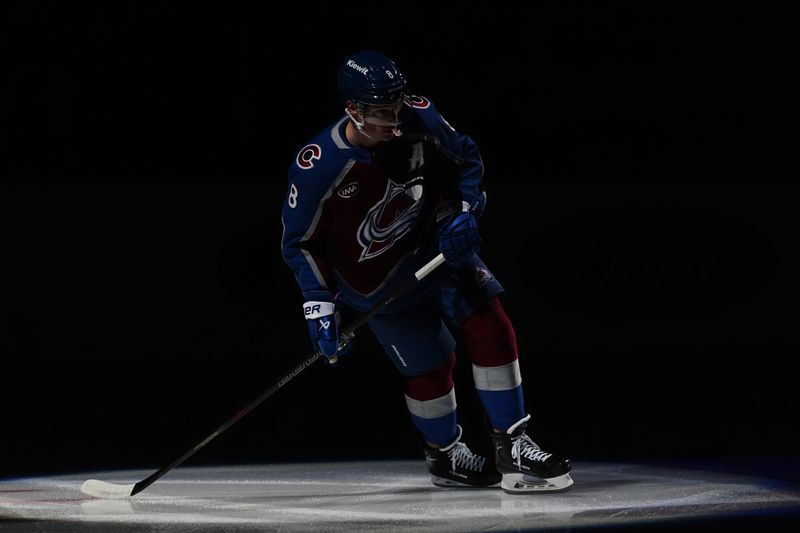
(490, 336)
(433, 384)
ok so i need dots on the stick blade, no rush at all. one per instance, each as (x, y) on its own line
(106, 490)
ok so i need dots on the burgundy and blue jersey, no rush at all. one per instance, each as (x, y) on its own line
(353, 217)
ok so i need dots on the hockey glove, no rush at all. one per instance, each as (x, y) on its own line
(458, 237)
(323, 325)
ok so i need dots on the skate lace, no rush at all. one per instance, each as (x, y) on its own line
(523, 446)
(460, 455)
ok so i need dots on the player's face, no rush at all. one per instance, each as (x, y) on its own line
(380, 122)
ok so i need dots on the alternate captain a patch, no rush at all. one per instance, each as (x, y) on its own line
(307, 155)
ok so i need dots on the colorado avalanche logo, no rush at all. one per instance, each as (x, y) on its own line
(390, 218)
(420, 102)
(306, 156)
(482, 276)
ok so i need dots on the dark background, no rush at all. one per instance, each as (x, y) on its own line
(640, 214)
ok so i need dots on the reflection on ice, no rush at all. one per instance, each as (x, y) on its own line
(106, 507)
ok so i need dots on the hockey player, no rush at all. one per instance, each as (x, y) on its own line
(371, 199)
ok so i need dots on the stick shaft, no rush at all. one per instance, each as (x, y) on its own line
(346, 332)
(152, 478)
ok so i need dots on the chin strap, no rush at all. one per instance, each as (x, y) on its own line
(354, 119)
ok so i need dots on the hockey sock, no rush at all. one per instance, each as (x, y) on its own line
(431, 401)
(492, 347)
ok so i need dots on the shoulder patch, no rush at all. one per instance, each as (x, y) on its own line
(419, 102)
(307, 155)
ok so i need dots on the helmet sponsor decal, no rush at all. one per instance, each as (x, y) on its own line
(355, 66)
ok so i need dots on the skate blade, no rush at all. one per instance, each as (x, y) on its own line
(445, 482)
(522, 483)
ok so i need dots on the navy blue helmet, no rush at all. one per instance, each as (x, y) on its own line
(370, 78)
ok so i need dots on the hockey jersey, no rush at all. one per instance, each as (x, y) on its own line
(353, 217)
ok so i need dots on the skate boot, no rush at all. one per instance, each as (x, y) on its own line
(525, 466)
(455, 465)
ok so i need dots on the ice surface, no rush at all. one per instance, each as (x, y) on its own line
(381, 496)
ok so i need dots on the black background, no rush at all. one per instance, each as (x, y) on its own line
(640, 215)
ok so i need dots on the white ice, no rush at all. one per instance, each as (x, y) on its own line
(379, 496)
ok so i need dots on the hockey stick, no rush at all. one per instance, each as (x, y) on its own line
(104, 489)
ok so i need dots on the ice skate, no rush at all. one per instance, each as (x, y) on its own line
(455, 465)
(526, 467)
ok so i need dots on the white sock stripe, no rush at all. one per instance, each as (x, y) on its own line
(441, 406)
(497, 378)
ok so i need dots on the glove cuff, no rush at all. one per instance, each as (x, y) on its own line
(321, 295)
(446, 211)
(316, 309)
